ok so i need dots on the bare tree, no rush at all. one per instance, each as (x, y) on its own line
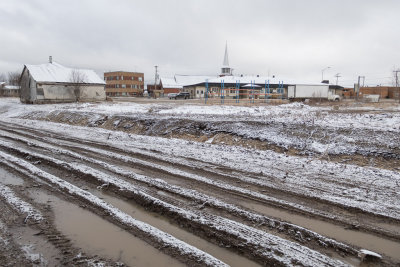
(77, 79)
(13, 78)
(3, 77)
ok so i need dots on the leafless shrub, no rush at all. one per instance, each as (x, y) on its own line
(77, 79)
(13, 78)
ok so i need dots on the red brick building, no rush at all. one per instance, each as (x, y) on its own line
(122, 83)
(383, 91)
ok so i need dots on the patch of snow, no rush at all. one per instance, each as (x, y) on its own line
(370, 253)
(36, 258)
(19, 204)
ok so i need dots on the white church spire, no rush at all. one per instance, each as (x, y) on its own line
(226, 70)
(226, 61)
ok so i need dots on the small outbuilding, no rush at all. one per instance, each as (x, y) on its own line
(54, 83)
(9, 90)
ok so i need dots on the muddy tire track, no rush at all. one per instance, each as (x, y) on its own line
(116, 189)
(231, 241)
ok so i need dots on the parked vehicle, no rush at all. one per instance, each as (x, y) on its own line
(172, 95)
(305, 91)
(182, 95)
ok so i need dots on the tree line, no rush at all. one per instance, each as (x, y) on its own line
(11, 78)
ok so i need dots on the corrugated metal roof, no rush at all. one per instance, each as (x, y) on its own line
(54, 72)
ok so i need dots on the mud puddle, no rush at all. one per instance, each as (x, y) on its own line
(353, 237)
(391, 227)
(97, 236)
(7, 178)
(36, 248)
(157, 221)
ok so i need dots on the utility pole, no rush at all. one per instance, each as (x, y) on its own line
(156, 75)
(358, 85)
(155, 80)
(396, 72)
(337, 78)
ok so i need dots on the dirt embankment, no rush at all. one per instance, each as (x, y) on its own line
(241, 133)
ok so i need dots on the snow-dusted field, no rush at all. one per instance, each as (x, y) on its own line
(248, 179)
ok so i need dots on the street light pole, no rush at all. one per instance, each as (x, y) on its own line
(323, 72)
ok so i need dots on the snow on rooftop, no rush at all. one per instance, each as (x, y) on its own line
(191, 79)
(11, 87)
(186, 80)
(183, 80)
(54, 72)
(170, 83)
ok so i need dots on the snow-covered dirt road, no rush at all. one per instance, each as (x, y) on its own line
(200, 185)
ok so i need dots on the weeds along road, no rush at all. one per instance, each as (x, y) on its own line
(198, 203)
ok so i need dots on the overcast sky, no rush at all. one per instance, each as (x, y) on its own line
(291, 39)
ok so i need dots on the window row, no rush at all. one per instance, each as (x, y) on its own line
(123, 78)
(133, 86)
(123, 94)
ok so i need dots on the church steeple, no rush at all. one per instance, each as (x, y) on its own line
(226, 61)
(226, 70)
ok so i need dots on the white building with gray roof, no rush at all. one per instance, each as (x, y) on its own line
(53, 83)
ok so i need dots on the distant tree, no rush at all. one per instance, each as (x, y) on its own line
(3, 77)
(77, 79)
(13, 78)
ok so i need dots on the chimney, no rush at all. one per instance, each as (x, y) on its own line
(50, 59)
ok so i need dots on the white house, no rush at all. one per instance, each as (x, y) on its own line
(53, 83)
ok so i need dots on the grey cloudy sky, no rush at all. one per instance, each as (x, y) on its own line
(295, 39)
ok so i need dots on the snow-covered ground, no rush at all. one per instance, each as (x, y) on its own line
(372, 118)
(368, 189)
(295, 125)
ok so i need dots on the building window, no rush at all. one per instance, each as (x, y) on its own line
(117, 77)
(133, 78)
(39, 91)
(140, 79)
(122, 77)
(124, 86)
